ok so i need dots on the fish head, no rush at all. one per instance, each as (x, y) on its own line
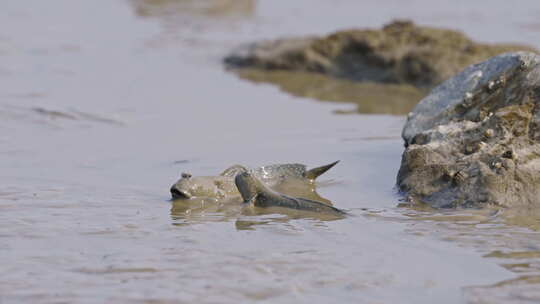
(183, 188)
(189, 186)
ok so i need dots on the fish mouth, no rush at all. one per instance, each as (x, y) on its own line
(177, 194)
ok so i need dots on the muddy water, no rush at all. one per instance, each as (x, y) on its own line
(104, 103)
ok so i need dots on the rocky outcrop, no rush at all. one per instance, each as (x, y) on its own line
(475, 140)
(399, 53)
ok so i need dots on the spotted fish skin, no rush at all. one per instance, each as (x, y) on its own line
(291, 171)
(280, 171)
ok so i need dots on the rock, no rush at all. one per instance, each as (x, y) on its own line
(400, 53)
(475, 139)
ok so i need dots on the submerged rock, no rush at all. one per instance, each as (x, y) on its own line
(475, 140)
(399, 53)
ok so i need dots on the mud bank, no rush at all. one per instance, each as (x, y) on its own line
(414, 58)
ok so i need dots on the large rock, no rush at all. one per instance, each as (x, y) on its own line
(475, 140)
(399, 53)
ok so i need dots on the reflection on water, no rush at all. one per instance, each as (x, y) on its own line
(301, 188)
(508, 236)
(210, 8)
(189, 21)
(370, 98)
(492, 231)
(245, 217)
(528, 217)
(52, 117)
(523, 289)
(200, 210)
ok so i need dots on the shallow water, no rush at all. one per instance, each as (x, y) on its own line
(104, 103)
(369, 98)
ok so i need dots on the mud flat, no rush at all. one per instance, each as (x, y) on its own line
(410, 59)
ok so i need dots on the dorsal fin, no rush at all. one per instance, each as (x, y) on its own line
(232, 171)
(316, 172)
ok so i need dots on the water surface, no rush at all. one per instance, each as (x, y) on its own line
(104, 103)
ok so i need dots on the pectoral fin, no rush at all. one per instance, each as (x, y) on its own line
(233, 171)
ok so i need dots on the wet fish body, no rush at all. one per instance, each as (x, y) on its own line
(223, 185)
(217, 187)
(253, 191)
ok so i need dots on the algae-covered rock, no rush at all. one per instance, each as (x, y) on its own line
(399, 53)
(475, 140)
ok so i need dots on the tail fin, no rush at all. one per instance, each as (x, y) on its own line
(316, 172)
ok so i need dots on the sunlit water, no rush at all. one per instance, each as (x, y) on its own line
(104, 103)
